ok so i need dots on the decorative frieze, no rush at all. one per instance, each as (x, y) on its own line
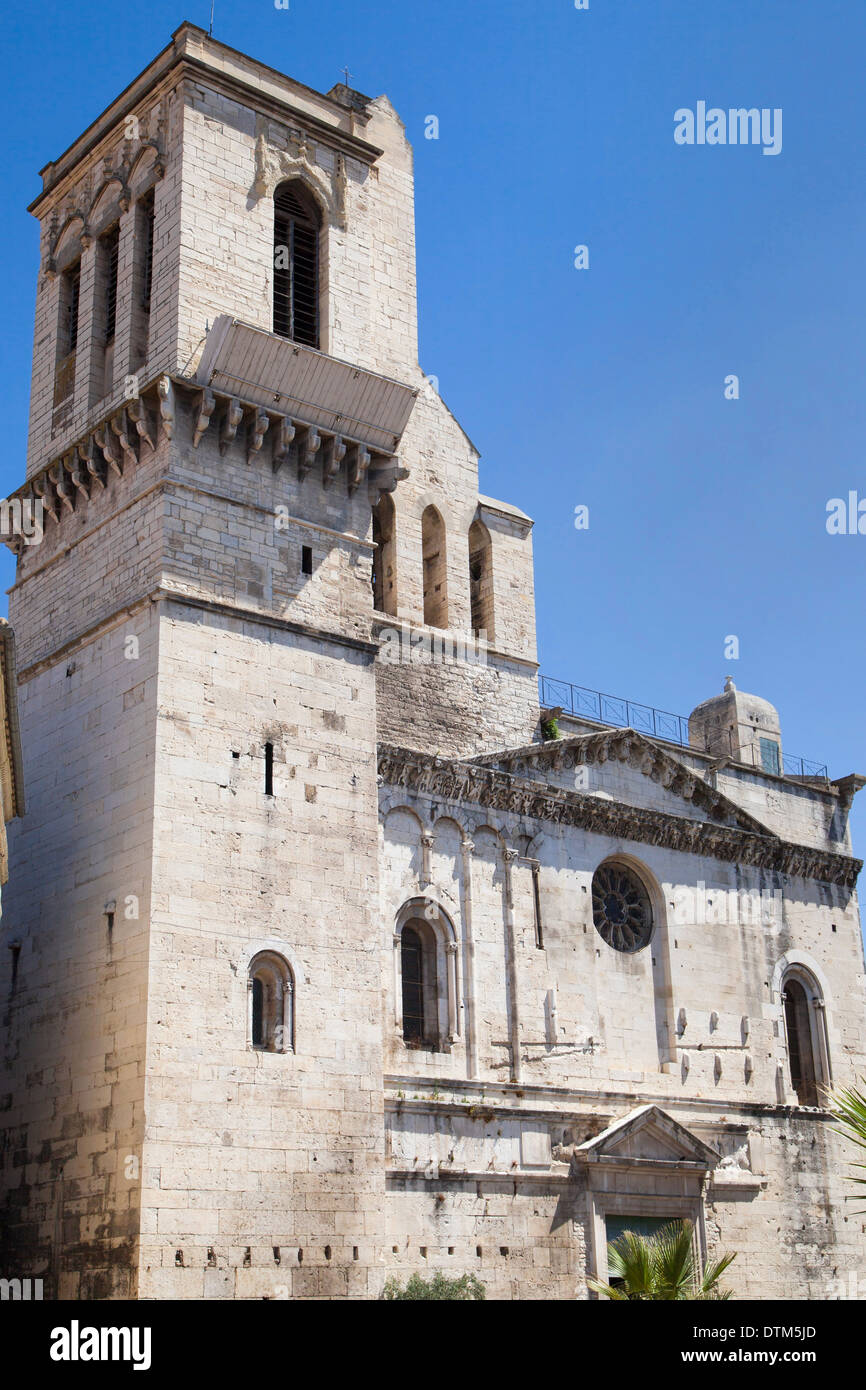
(481, 785)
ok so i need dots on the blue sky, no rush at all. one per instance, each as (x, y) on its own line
(602, 387)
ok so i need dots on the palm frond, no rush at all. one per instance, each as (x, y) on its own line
(660, 1267)
(849, 1107)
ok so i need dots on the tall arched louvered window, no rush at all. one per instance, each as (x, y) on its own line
(296, 264)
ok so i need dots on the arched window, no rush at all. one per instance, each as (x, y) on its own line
(296, 264)
(384, 567)
(481, 579)
(808, 1053)
(272, 1003)
(412, 963)
(426, 977)
(433, 551)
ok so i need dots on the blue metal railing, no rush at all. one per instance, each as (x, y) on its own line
(656, 723)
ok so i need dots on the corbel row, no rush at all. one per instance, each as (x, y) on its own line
(114, 445)
(109, 448)
(289, 443)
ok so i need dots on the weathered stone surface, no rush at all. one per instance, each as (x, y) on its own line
(203, 595)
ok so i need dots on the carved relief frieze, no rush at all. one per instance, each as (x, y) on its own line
(490, 787)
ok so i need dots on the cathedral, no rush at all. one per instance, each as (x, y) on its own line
(321, 967)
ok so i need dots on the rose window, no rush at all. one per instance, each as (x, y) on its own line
(621, 908)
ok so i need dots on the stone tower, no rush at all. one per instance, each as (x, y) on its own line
(226, 393)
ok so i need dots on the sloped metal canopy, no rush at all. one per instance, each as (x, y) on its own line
(305, 384)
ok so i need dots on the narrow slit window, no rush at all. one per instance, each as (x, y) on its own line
(258, 1012)
(269, 769)
(296, 264)
(70, 293)
(536, 901)
(146, 226)
(306, 559)
(73, 294)
(111, 251)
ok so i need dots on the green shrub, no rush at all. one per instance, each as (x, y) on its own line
(464, 1289)
(549, 729)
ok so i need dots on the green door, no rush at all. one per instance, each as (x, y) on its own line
(641, 1225)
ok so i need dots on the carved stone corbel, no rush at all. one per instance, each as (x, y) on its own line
(120, 429)
(206, 406)
(283, 437)
(167, 405)
(57, 474)
(76, 466)
(308, 447)
(108, 445)
(335, 452)
(258, 428)
(47, 496)
(359, 463)
(140, 417)
(232, 418)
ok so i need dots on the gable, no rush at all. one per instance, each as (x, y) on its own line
(625, 766)
(648, 1135)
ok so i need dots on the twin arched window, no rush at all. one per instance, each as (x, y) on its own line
(272, 1003)
(297, 224)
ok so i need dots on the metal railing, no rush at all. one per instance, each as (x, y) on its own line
(656, 723)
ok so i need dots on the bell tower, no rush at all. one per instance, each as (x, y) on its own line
(227, 410)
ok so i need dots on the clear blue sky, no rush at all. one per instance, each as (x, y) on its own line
(602, 387)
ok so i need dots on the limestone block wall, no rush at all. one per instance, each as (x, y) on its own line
(101, 558)
(262, 1171)
(454, 706)
(235, 533)
(77, 909)
(483, 1180)
(367, 247)
(593, 1015)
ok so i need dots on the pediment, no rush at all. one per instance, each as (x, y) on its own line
(648, 1135)
(676, 789)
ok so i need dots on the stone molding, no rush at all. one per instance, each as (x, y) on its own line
(641, 753)
(476, 783)
(114, 442)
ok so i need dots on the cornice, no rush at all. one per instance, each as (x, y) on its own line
(114, 442)
(176, 62)
(473, 782)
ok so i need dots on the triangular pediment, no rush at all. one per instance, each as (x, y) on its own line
(648, 1135)
(677, 789)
